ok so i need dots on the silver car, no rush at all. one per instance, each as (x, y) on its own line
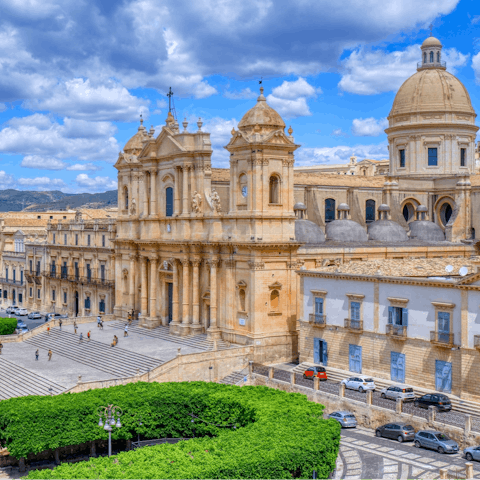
(405, 392)
(435, 441)
(472, 453)
(360, 383)
(344, 418)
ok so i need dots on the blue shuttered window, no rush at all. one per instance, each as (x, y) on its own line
(169, 202)
(355, 358)
(443, 376)
(355, 314)
(444, 326)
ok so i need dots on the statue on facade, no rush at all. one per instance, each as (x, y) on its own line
(133, 207)
(78, 216)
(216, 205)
(196, 202)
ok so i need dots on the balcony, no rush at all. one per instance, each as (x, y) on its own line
(422, 65)
(11, 281)
(441, 339)
(398, 332)
(317, 320)
(354, 326)
(476, 341)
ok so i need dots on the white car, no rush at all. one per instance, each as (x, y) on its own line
(21, 311)
(405, 392)
(34, 315)
(360, 383)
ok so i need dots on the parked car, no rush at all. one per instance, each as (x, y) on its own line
(472, 453)
(438, 400)
(435, 441)
(49, 316)
(344, 418)
(360, 383)
(16, 310)
(22, 329)
(21, 323)
(401, 432)
(34, 315)
(21, 312)
(319, 372)
(404, 392)
(10, 309)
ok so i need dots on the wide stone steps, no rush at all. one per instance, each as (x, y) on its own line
(233, 379)
(101, 356)
(16, 381)
(196, 341)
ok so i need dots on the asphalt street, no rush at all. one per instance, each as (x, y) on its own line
(30, 323)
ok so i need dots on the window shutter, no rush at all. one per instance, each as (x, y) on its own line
(390, 315)
(405, 316)
(318, 306)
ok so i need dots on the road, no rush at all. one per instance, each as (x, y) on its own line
(30, 323)
(363, 455)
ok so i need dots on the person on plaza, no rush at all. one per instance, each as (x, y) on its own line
(1, 346)
(99, 321)
(129, 317)
(60, 323)
(101, 325)
(75, 326)
(88, 335)
(81, 336)
(50, 355)
(37, 353)
(48, 329)
(125, 333)
(115, 340)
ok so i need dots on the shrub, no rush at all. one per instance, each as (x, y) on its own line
(278, 435)
(7, 326)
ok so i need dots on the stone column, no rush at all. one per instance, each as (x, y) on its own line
(192, 182)
(144, 304)
(131, 279)
(176, 191)
(213, 331)
(118, 290)
(196, 295)
(185, 208)
(153, 292)
(153, 192)
(176, 286)
(186, 295)
(142, 204)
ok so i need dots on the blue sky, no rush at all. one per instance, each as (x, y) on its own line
(75, 75)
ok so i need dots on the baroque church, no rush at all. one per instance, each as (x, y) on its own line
(201, 249)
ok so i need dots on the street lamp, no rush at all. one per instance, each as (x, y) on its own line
(108, 421)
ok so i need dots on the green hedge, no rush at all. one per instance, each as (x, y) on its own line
(278, 435)
(7, 326)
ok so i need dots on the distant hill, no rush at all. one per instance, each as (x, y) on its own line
(31, 201)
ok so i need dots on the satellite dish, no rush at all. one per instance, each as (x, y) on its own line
(463, 271)
(449, 268)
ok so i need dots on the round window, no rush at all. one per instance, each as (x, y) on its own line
(445, 213)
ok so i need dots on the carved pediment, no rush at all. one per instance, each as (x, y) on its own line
(241, 284)
(165, 144)
(275, 286)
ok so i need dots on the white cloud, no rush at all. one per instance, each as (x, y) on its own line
(476, 67)
(340, 154)
(80, 98)
(220, 134)
(6, 180)
(40, 136)
(369, 127)
(96, 184)
(368, 72)
(42, 163)
(42, 183)
(3, 107)
(245, 93)
(290, 98)
(84, 167)
(338, 132)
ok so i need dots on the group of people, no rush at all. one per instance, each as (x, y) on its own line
(37, 354)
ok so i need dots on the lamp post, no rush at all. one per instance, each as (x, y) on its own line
(108, 414)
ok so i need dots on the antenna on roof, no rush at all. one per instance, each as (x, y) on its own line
(449, 269)
(463, 271)
(171, 103)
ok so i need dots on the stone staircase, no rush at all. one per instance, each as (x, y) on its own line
(163, 333)
(235, 378)
(101, 356)
(17, 381)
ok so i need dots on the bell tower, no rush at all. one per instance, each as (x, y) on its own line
(261, 175)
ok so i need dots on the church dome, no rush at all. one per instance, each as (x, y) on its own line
(345, 230)
(135, 144)
(262, 115)
(431, 42)
(308, 232)
(426, 231)
(386, 231)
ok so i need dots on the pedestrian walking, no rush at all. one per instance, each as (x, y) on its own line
(60, 323)
(48, 330)
(75, 327)
(101, 325)
(129, 317)
(1, 346)
(88, 335)
(50, 355)
(125, 332)
(37, 353)
(99, 321)
(81, 336)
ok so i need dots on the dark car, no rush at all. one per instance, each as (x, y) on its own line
(438, 400)
(401, 432)
(435, 441)
(21, 324)
(319, 372)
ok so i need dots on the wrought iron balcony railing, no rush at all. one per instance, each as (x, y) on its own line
(353, 325)
(317, 319)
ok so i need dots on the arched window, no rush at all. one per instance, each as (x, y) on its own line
(438, 57)
(424, 57)
(125, 197)
(274, 189)
(431, 57)
(329, 210)
(274, 300)
(243, 189)
(241, 298)
(370, 211)
(101, 306)
(408, 212)
(169, 202)
(445, 213)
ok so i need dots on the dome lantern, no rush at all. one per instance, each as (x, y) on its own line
(431, 54)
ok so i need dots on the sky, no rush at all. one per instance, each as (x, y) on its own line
(76, 75)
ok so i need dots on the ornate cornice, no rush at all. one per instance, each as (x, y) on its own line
(256, 265)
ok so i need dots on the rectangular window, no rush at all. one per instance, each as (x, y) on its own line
(6, 274)
(101, 306)
(102, 272)
(64, 270)
(77, 271)
(402, 158)
(463, 157)
(21, 277)
(38, 268)
(14, 275)
(432, 157)
(76, 239)
(31, 292)
(38, 293)
(31, 266)
(443, 324)
(20, 297)
(318, 306)
(87, 303)
(53, 268)
(65, 239)
(53, 295)
(88, 240)
(53, 238)
(64, 297)
(89, 272)
(103, 240)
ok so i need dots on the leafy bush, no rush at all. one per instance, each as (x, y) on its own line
(7, 326)
(279, 434)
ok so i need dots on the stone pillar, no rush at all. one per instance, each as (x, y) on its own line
(176, 286)
(341, 390)
(443, 473)
(431, 414)
(196, 327)
(118, 289)
(270, 373)
(153, 192)
(176, 192)
(131, 279)
(316, 383)
(399, 406)
(192, 182)
(144, 194)
(292, 378)
(468, 470)
(153, 292)
(144, 304)
(250, 367)
(186, 291)
(185, 207)
(468, 425)
(213, 331)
